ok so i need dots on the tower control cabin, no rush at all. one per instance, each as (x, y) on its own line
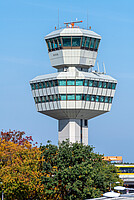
(74, 94)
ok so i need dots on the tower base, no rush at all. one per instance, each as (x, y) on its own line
(76, 130)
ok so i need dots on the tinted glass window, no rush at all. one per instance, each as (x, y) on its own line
(32, 86)
(95, 83)
(40, 85)
(43, 99)
(92, 98)
(86, 82)
(100, 84)
(39, 99)
(58, 97)
(55, 83)
(113, 86)
(36, 86)
(101, 99)
(70, 82)
(47, 99)
(76, 41)
(54, 97)
(97, 99)
(110, 99)
(62, 82)
(106, 99)
(70, 97)
(35, 99)
(48, 44)
(104, 85)
(88, 97)
(97, 44)
(59, 41)
(83, 41)
(92, 43)
(78, 97)
(44, 85)
(90, 83)
(109, 85)
(56, 43)
(66, 41)
(47, 84)
(63, 97)
(83, 97)
(79, 82)
(87, 42)
(52, 44)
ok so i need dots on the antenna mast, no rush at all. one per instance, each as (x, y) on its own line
(58, 18)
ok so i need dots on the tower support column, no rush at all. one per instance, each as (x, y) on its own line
(76, 130)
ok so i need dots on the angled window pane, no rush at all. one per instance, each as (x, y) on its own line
(95, 84)
(83, 41)
(51, 98)
(76, 41)
(36, 86)
(97, 99)
(113, 86)
(70, 97)
(78, 97)
(106, 99)
(110, 99)
(59, 42)
(47, 84)
(49, 45)
(86, 82)
(104, 85)
(66, 41)
(56, 43)
(36, 99)
(92, 43)
(58, 97)
(90, 83)
(40, 85)
(62, 82)
(39, 99)
(97, 44)
(92, 98)
(101, 99)
(87, 42)
(52, 43)
(79, 82)
(54, 97)
(109, 85)
(44, 85)
(47, 99)
(100, 84)
(51, 83)
(70, 82)
(63, 97)
(87, 97)
(83, 97)
(43, 99)
(32, 86)
(55, 83)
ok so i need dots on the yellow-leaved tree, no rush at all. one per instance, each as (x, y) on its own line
(20, 169)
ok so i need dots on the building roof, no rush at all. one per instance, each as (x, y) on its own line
(74, 75)
(73, 32)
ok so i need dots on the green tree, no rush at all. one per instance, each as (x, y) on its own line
(74, 171)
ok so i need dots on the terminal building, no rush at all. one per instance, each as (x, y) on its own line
(75, 93)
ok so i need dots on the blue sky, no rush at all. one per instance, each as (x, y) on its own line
(23, 55)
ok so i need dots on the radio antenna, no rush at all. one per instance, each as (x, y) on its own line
(58, 18)
(104, 68)
(98, 66)
(87, 19)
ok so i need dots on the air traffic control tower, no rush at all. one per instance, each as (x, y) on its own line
(75, 93)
